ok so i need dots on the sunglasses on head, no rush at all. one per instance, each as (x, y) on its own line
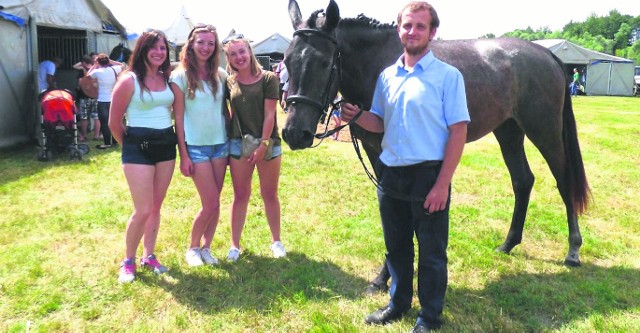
(201, 26)
(232, 37)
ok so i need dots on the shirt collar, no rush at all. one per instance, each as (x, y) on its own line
(422, 64)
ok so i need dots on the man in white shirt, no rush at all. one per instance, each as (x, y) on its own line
(47, 72)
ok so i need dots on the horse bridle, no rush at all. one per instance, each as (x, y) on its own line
(325, 99)
(335, 68)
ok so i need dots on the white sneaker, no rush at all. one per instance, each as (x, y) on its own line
(278, 250)
(234, 254)
(208, 259)
(194, 258)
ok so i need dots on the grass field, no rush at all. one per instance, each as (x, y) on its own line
(62, 227)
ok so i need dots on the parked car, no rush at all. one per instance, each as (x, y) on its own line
(636, 88)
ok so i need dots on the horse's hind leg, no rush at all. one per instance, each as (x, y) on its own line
(379, 283)
(553, 152)
(511, 139)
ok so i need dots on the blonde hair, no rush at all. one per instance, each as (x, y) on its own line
(255, 65)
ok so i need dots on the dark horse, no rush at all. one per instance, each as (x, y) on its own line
(120, 53)
(514, 88)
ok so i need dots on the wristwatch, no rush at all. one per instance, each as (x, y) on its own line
(265, 142)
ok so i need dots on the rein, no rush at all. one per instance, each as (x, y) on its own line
(375, 181)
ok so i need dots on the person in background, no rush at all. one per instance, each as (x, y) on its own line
(416, 165)
(148, 145)
(283, 98)
(575, 84)
(106, 72)
(46, 74)
(79, 65)
(201, 116)
(281, 79)
(335, 115)
(253, 94)
(86, 105)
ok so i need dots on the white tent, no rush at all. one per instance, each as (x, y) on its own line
(178, 32)
(32, 30)
(605, 74)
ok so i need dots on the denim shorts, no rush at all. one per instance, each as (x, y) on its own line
(200, 154)
(132, 153)
(235, 149)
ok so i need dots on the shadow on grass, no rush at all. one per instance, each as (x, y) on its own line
(543, 302)
(261, 284)
(22, 161)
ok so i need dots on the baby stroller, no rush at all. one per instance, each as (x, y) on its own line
(59, 128)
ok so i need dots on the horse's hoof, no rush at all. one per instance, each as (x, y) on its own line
(374, 289)
(572, 262)
(504, 248)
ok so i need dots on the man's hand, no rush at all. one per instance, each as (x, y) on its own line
(348, 111)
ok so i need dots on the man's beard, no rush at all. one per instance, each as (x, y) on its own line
(417, 50)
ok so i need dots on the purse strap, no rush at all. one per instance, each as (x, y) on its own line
(114, 73)
(235, 115)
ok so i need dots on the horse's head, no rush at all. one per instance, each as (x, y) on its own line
(312, 61)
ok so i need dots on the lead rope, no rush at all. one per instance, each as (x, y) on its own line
(372, 177)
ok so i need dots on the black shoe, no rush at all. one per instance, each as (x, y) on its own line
(423, 328)
(103, 146)
(384, 316)
(420, 329)
(374, 288)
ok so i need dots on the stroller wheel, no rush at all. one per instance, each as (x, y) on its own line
(45, 156)
(75, 154)
(84, 149)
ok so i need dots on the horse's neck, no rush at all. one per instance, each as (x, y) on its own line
(364, 54)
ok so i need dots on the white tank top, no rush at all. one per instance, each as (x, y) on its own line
(152, 109)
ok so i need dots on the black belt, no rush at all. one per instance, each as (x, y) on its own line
(425, 164)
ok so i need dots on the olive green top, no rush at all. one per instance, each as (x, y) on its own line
(247, 104)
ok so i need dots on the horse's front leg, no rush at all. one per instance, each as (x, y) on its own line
(511, 139)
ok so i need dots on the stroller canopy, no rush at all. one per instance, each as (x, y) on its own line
(58, 106)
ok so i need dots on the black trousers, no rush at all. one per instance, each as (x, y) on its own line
(401, 220)
(103, 116)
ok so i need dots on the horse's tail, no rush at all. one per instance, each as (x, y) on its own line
(579, 192)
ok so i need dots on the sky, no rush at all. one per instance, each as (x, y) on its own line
(259, 19)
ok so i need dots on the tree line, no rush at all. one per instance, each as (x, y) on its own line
(614, 34)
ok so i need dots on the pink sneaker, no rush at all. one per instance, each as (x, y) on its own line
(127, 271)
(152, 263)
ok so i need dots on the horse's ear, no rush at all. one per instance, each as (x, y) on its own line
(332, 16)
(294, 14)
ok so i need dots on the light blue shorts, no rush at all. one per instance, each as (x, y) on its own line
(235, 149)
(201, 154)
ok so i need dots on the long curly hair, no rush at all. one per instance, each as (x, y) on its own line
(190, 65)
(138, 60)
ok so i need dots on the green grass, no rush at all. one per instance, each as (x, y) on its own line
(62, 227)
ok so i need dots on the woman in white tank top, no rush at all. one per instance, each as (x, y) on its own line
(149, 145)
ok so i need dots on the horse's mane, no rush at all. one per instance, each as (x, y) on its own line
(317, 18)
(363, 21)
